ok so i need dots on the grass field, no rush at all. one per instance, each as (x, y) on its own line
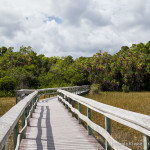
(133, 101)
(6, 103)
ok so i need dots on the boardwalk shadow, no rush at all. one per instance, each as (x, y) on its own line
(49, 134)
(50, 140)
(39, 135)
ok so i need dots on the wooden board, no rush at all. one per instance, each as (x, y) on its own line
(53, 128)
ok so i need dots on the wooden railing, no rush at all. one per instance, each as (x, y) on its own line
(26, 101)
(134, 120)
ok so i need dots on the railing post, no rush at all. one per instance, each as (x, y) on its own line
(24, 115)
(89, 116)
(44, 94)
(23, 118)
(63, 98)
(16, 131)
(69, 100)
(16, 97)
(4, 148)
(49, 93)
(79, 109)
(35, 102)
(108, 129)
(28, 109)
(66, 99)
(146, 142)
(72, 101)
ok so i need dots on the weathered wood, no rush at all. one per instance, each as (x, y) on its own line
(9, 120)
(72, 102)
(4, 148)
(146, 142)
(89, 116)
(23, 118)
(16, 131)
(108, 129)
(114, 144)
(79, 109)
(134, 120)
(7, 125)
(52, 127)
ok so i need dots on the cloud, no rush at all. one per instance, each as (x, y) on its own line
(10, 23)
(79, 28)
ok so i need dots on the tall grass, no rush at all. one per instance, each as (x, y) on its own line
(6, 103)
(134, 101)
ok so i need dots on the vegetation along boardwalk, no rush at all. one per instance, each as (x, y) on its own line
(52, 127)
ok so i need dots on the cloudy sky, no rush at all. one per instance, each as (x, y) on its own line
(74, 27)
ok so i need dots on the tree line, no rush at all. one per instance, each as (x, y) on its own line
(128, 68)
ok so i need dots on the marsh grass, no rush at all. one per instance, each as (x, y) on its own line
(134, 101)
(6, 103)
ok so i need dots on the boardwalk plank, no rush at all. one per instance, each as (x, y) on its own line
(53, 128)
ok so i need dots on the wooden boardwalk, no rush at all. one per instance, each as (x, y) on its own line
(53, 128)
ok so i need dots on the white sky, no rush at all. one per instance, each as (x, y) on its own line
(77, 28)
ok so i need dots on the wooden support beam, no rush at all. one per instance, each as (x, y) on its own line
(16, 97)
(4, 148)
(16, 131)
(72, 102)
(79, 109)
(146, 142)
(23, 118)
(89, 116)
(108, 129)
(28, 109)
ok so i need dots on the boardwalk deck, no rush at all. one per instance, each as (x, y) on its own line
(53, 128)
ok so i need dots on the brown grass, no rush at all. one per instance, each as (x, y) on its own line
(133, 101)
(6, 103)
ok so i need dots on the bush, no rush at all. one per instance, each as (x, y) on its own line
(7, 83)
(95, 89)
(7, 93)
(125, 88)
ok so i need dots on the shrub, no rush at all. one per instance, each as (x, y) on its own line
(7, 93)
(125, 88)
(7, 83)
(95, 89)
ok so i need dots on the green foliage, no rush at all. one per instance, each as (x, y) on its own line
(125, 88)
(95, 89)
(3, 50)
(7, 83)
(7, 93)
(25, 69)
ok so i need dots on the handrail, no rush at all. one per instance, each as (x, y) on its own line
(20, 94)
(131, 119)
(24, 108)
(9, 121)
(23, 130)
